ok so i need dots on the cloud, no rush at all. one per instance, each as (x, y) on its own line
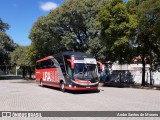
(48, 6)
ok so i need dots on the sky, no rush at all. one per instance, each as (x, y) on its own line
(22, 14)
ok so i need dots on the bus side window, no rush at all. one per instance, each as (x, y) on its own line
(44, 64)
(69, 70)
(63, 68)
(41, 65)
(61, 64)
(48, 64)
(52, 64)
(38, 65)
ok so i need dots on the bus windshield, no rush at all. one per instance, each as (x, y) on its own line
(84, 71)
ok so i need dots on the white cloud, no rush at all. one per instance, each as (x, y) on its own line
(48, 6)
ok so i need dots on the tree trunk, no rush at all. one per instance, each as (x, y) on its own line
(150, 71)
(24, 72)
(143, 70)
(30, 72)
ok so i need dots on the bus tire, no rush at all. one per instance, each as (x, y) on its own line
(62, 86)
(41, 83)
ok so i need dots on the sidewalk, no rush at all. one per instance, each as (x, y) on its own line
(146, 87)
(136, 86)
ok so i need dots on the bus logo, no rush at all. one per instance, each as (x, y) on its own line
(48, 76)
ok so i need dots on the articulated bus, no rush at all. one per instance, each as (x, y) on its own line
(68, 70)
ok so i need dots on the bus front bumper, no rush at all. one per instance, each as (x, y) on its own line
(81, 88)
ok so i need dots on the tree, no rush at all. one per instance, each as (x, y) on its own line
(72, 26)
(3, 26)
(19, 58)
(147, 31)
(116, 25)
(78, 27)
(6, 44)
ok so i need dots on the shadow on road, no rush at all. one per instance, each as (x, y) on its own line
(10, 77)
(74, 92)
(83, 92)
(117, 85)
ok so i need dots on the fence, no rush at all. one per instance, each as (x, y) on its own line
(132, 74)
(16, 71)
(10, 70)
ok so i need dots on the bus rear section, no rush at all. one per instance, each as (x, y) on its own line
(68, 70)
(46, 72)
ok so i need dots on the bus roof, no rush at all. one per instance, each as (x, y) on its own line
(69, 53)
(76, 54)
(46, 58)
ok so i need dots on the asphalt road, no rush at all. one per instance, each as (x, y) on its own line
(22, 95)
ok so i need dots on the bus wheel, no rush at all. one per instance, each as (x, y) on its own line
(41, 83)
(62, 87)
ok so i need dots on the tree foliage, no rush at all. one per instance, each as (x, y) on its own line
(19, 56)
(131, 29)
(146, 34)
(148, 30)
(149, 24)
(72, 26)
(116, 25)
(6, 44)
(3, 26)
(109, 29)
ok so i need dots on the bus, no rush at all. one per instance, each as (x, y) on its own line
(68, 71)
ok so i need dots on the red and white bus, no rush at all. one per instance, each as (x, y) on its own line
(68, 70)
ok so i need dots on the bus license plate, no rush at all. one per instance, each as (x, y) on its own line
(87, 87)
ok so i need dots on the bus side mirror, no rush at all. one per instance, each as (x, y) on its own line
(100, 65)
(71, 62)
